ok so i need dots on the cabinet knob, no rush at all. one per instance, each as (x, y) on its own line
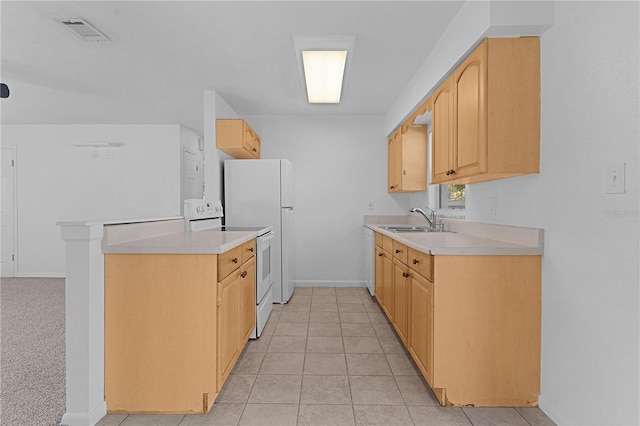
(380, 254)
(251, 249)
(415, 261)
(404, 274)
(398, 251)
(255, 150)
(392, 186)
(243, 274)
(234, 260)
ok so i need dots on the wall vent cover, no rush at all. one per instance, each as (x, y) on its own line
(83, 29)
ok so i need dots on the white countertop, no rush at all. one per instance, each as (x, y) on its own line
(456, 243)
(201, 242)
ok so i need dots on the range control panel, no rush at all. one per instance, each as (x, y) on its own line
(196, 209)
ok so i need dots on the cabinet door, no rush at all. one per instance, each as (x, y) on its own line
(250, 141)
(442, 151)
(421, 324)
(395, 160)
(248, 138)
(256, 146)
(400, 299)
(379, 275)
(470, 114)
(387, 284)
(228, 327)
(247, 300)
(413, 164)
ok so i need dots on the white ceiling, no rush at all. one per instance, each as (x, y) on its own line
(163, 55)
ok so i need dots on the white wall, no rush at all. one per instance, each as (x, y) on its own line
(590, 313)
(340, 165)
(59, 182)
(215, 107)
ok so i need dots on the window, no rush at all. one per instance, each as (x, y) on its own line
(452, 196)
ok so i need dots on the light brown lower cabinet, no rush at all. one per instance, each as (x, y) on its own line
(228, 326)
(247, 312)
(236, 316)
(472, 325)
(173, 330)
(400, 319)
(421, 329)
(384, 278)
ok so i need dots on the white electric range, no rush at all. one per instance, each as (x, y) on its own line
(201, 215)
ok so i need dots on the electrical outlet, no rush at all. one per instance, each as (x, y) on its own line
(615, 178)
(371, 205)
(493, 205)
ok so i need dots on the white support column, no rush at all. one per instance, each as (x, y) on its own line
(84, 298)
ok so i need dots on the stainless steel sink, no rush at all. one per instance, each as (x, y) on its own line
(407, 228)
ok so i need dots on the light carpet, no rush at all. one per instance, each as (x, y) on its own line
(32, 351)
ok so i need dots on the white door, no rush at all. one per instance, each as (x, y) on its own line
(192, 171)
(7, 218)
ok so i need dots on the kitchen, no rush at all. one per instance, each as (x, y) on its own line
(584, 323)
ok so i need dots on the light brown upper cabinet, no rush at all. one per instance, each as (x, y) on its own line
(486, 114)
(442, 132)
(237, 138)
(407, 147)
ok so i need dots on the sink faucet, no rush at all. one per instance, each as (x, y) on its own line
(431, 220)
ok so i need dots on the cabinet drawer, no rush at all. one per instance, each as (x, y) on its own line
(229, 261)
(422, 263)
(400, 251)
(248, 250)
(378, 239)
(387, 244)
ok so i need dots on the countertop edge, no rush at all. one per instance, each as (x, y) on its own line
(156, 245)
(508, 248)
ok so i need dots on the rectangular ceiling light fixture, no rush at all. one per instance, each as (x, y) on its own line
(323, 64)
(323, 74)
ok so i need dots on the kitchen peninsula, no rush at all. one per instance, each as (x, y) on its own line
(155, 315)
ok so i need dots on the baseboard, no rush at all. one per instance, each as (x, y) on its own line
(327, 283)
(83, 418)
(38, 275)
(552, 412)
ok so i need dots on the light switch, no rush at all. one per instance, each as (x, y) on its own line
(371, 205)
(615, 178)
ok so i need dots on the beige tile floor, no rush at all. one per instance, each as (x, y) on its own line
(330, 357)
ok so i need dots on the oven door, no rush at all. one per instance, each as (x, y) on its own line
(264, 265)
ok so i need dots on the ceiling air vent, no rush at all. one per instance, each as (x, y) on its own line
(83, 29)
